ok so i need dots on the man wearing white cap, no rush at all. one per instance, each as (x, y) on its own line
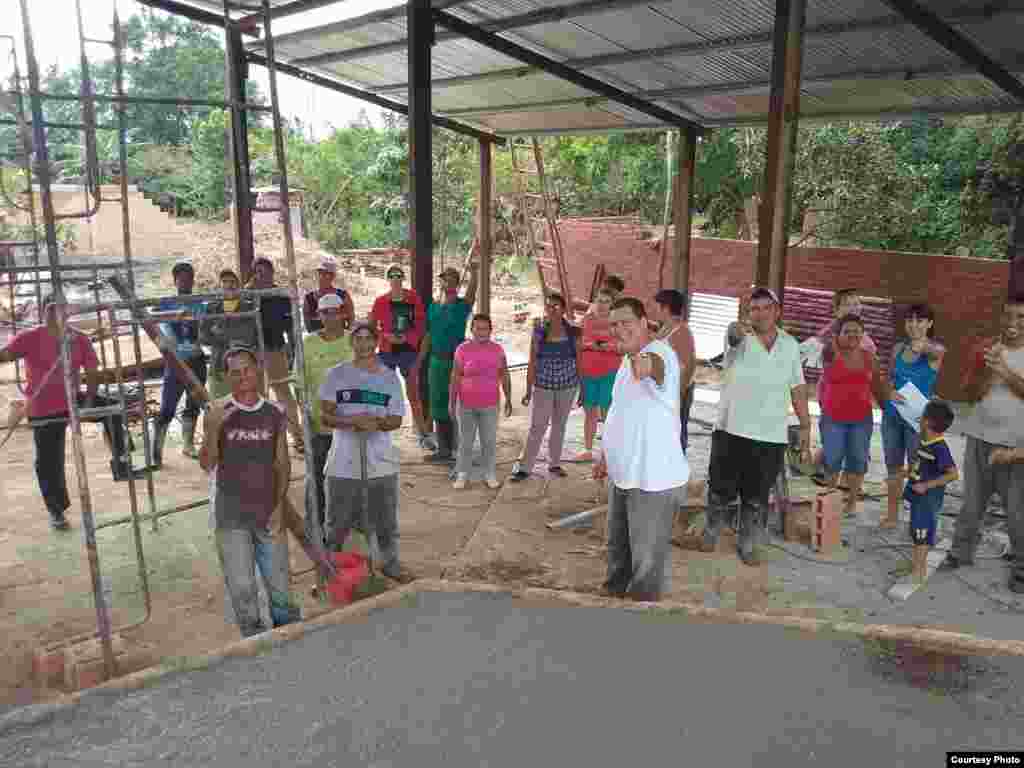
(328, 347)
(326, 272)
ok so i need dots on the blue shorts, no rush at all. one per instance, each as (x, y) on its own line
(403, 361)
(924, 514)
(899, 442)
(847, 445)
(597, 391)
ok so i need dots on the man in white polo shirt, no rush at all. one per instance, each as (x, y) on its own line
(642, 457)
(763, 377)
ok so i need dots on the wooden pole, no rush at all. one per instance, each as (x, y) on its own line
(783, 121)
(684, 210)
(486, 217)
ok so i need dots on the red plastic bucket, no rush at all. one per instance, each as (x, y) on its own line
(352, 570)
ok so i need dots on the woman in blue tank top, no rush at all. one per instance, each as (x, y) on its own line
(916, 359)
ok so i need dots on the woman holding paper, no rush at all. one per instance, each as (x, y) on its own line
(914, 366)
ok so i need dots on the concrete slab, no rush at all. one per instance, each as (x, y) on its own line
(494, 680)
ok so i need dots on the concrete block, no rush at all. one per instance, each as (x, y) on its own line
(83, 663)
(48, 667)
(828, 516)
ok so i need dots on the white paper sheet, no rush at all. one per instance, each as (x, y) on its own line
(913, 405)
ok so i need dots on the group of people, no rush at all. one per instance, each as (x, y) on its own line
(632, 374)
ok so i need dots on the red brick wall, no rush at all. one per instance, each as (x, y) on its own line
(967, 294)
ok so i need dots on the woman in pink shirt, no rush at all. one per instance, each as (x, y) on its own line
(599, 361)
(479, 367)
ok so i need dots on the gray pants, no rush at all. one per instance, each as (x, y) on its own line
(241, 552)
(980, 481)
(640, 541)
(547, 406)
(345, 512)
(472, 421)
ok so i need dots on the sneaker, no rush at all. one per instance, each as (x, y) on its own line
(460, 481)
(950, 563)
(558, 472)
(518, 476)
(59, 522)
(428, 443)
(492, 482)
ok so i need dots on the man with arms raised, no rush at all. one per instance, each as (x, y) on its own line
(995, 386)
(642, 457)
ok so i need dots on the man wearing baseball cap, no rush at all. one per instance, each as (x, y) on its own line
(326, 273)
(400, 320)
(179, 330)
(328, 347)
(763, 376)
(362, 400)
(446, 329)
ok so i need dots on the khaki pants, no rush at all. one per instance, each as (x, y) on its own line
(276, 364)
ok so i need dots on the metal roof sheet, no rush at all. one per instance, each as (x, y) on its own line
(708, 60)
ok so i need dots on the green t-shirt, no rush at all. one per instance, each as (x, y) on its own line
(321, 356)
(446, 325)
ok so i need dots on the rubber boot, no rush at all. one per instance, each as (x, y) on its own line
(445, 435)
(715, 515)
(746, 538)
(159, 438)
(188, 438)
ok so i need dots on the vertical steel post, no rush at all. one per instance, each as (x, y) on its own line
(687, 160)
(236, 72)
(313, 525)
(776, 206)
(484, 235)
(70, 380)
(126, 244)
(420, 30)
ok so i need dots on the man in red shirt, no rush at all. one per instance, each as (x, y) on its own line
(39, 348)
(401, 321)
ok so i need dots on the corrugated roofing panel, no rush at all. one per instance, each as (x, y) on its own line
(680, 22)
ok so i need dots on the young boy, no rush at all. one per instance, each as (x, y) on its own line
(931, 472)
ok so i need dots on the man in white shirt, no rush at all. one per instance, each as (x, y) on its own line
(642, 457)
(764, 376)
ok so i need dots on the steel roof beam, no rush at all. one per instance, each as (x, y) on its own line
(533, 18)
(189, 12)
(288, 9)
(515, 51)
(752, 41)
(954, 42)
(882, 115)
(380, 101)
(347, 25)
(737, 87)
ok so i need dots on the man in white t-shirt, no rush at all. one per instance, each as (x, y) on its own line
(362, 401)
(642, 457)
(763, 377)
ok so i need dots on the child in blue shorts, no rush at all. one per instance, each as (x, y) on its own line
(932, 470)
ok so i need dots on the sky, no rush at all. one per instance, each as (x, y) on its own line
(54, 29)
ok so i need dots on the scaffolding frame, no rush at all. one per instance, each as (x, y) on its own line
(32, 125)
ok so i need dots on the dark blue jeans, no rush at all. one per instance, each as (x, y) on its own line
(174, 388)
(51, 454)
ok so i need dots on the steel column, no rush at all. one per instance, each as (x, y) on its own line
(684, 210)
(787, 64)
(420, 26)
(236, 72)
(486, 196)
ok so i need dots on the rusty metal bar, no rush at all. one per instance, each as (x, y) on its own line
(49, 222)
(683, 204)
(293, 273)
(166, 101)
(787, 63)
(420, 29)
(235, 69)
